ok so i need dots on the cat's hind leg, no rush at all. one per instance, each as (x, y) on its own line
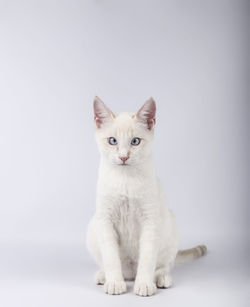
(163, 278)
(100, 277)
(93, 248)
(164, 266)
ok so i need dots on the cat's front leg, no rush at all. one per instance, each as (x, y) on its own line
(144, 282)
(108, 243)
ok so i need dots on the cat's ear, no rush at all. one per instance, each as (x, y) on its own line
(102, 114)
(146, 114)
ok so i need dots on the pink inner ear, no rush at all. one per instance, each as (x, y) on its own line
(147, 112)
(102, 113)
(151, 123)
(98, 122)
(99, 114)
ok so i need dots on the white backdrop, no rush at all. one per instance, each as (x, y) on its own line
(55, 56)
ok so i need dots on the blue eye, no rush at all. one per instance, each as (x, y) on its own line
(112, 141)
(135, 141)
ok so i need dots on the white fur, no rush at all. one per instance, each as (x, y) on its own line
(133, 234)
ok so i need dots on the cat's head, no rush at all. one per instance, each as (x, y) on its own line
(124, 139)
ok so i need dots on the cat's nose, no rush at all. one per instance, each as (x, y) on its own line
(124, 159)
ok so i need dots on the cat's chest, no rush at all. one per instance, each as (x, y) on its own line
(127, 217)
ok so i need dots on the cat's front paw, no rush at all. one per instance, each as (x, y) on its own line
(144, 288)
(115, 287)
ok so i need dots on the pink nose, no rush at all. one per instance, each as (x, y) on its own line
(124, 159)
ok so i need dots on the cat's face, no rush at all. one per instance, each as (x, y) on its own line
(125, 139)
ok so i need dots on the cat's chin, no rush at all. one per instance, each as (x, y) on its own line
(121, 164)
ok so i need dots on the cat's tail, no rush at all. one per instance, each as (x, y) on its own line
(190, 254)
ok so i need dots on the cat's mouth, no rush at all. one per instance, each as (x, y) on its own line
(123, 164)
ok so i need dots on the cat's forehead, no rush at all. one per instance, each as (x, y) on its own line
(124, 125)
(124, 121)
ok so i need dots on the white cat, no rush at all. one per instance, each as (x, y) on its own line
(133, 234)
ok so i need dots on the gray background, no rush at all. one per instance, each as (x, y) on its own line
(55, 56)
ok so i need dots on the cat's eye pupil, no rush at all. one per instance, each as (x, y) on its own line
(112, 141)
(135, 141)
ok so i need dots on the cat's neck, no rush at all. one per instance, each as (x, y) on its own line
(126, 180)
